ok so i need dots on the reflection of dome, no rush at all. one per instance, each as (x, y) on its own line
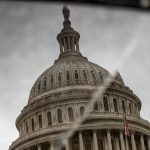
(61, 95)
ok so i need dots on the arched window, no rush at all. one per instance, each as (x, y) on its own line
(76, 75)
(67, 75)
(40, 121)
(123, 107)
(82, 110)
(45, 83)
(39, 86)
(49, 118)
(115, 105)
(101, 77)
(59, 116)
(27, 127)
(105, 101)
(32, 124)
(59, 77)
(130, 109)
(84, 74)
(52, 79)
(96, 106)
(70, 113)
(93, 75)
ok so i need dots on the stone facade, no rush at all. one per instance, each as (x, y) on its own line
(61, 95)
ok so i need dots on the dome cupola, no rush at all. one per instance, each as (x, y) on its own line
(68, 38)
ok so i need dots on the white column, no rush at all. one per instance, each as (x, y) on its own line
(122, 141)
(81, 141)
(39, 147)
(64, 41)
(95, 140)
(133, 141)
(109, 140)
(61, 48)
(77, 45)
(148, 143)
(67, 144)
(51, 147)
(142, 143)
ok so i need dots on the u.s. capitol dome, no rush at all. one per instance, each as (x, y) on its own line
(61, 95)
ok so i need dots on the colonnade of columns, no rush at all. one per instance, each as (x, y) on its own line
(123, 145)
(69, 43)
(121, 142)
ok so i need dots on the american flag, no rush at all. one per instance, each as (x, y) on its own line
(126, 127)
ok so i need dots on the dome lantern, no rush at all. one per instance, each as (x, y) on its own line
(68, 38)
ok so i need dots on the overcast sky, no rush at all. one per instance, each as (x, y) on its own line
(28, 46)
